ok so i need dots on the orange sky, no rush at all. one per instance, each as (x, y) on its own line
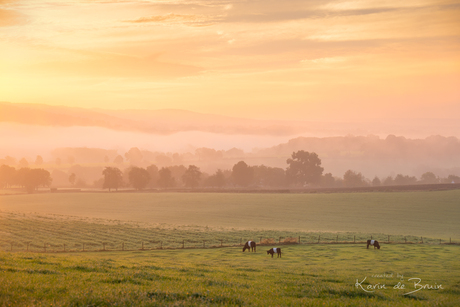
(268, 59)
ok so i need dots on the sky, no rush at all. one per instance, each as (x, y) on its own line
(268, 59)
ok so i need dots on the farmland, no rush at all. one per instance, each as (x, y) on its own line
(306, 275)
(431, 214)
(183, 249)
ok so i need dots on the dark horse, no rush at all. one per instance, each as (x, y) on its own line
(274, 250)
(250, 245)
(374, 243)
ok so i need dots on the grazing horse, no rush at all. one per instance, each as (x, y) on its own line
(250, 245)
(373, 243)
(274, 250)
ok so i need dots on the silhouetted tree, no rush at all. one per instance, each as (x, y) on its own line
(139, 178)
(113, 178)
(216, 180)
(23, 162)
(118, 159)
(388, 181)
(7, 175)
(452, 179)
(327, 181)
(39, 160)
(376, 182)
(153, 173)
(404, 180)
(352, 179)
(165, 178)
(242, 174)
(269, 176)
(134, 156)
(72, 178)
(191, 177)
(429, 178)
(33, 178)
(304, 168)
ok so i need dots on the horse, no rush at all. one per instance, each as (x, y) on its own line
(374, 243)
(250, 245)
(274, 250)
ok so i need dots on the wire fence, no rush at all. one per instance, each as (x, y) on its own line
(140, 245)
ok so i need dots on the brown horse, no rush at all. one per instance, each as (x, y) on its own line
(250, 245)
(274, 250)
(374, 243)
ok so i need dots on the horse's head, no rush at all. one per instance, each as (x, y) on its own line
(268, 252)
(244, 248)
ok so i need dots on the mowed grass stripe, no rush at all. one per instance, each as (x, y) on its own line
(432, 214)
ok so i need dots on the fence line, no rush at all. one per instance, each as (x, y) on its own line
(86, 246)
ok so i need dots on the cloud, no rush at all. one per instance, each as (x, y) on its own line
(10, 18)
(189, 19)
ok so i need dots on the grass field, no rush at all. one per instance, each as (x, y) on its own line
(429, 214)
(306, 275)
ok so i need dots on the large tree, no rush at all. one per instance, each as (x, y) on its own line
(166, 179)
(216, 180)
(33, 178)
(139, 177)
(192, 176)
(304, 168)
(242, 174)
(353, 179)
(113, 178)
(7, 175)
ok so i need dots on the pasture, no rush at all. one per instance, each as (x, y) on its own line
(306, 275)
(432, 214)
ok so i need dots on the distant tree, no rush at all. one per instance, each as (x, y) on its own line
(404, 180)
(154, 176)
(10, 160)
(134, 156)
(266, 176)
(23, 162)
(113, 178)
(118, 159)
(388, 181)
(429, 178)
(191, 177)
(328, 181)
(242, 174)
(216, 180)
(352, 179)
(376, 182)
(58, 161)
(304, 168)
(165, 178)
(452, 179)
(72, 178)
(38, 160)
(7, 176)
(139, 178)
(31, 179)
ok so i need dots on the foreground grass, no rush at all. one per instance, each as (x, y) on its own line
(305, 276)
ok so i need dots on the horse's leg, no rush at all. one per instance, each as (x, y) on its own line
(367, 245)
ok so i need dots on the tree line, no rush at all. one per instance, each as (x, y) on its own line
(25, 177)
(303, 170)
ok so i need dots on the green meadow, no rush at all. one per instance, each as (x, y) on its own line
(306, 275)
(155, 270)
(423, 213)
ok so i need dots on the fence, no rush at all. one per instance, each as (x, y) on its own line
(29, 246)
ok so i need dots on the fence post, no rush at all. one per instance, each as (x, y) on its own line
(44, 247)
(183, 243)
(220, 243)
(161, 244)
(405, 240)
(388, 239)
(354, 239)
(299, 239)
(142, 245)
(337, 241)
(371, 237)
(422, 239)
(11, 246)
(319, 237)
(260, 240)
